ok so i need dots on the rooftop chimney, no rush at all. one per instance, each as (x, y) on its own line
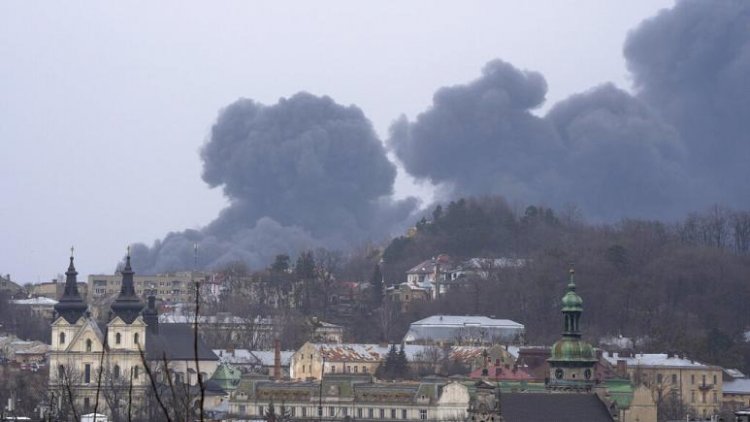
(277, 359)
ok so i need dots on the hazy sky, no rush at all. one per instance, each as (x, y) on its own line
(103, 107)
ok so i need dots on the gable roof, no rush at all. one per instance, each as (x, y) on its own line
(557, 407)
(176, 342)
(89, 324)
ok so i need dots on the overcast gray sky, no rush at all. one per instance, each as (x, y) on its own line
(103, 106)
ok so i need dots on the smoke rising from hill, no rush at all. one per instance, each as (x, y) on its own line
(692, 64)
(302, 173)
(308, 172)
(682, 143)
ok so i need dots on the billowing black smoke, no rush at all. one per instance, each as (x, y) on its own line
(681, 143)
(305, 172)
(482, 138)
(692, 64)
(308, 172)
(619, 158)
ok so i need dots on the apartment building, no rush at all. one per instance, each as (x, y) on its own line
(168, 288)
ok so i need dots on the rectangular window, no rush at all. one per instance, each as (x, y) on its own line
(344, 411)
(304, 412)
(331, 411)
(393, 413)
(423, 414)
(716, 398)
(260, 411)
(365, 369)
(356, 369)
(658, 378)
(87, 373)
(333, 369)
(382, 413)
(692, 396)
(704, 379)
(242, 409)
(359, 413)
(674, 378)
(692, 379)
(320, 411)
(86, 403)
(369, 413)
(714, 379)
(403, 413)
(292, 411)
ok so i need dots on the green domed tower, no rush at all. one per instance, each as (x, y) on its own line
(572, 360)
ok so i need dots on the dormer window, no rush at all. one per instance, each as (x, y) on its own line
(62, 338)
(88, 344)
(136, 338)
(118, 338)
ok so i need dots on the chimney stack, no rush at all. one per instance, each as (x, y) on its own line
(277, 359)
(622, 368)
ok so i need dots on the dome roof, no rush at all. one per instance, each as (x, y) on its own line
(572, 350)
(571, 301)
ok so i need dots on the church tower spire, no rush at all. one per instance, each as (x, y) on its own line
(571, 360)
(71, 306)
(127, 305)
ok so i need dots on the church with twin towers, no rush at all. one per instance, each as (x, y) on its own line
(115, 366)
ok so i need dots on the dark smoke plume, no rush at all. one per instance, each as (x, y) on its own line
(603, 150)
(620, 159)
(482, 138)
(692, 63)
(682, 143)
(305, 172)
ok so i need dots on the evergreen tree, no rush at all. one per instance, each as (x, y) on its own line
(402, 363)
(391, 363)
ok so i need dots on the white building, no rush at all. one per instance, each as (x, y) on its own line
(464, 329)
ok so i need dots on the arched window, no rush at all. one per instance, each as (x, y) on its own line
(135, 372)
(116, 372)
(62, 338)
(135, 338)
(118, 338)
(88, 344)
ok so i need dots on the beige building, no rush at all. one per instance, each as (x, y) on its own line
(54, 289)
(673, 376)
(108, 369)
(168, 288)
(350, 396)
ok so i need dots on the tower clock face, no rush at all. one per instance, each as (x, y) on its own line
(587, 374)
(558, 373)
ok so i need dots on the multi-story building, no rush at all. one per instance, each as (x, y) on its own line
(464, 329)
(345, 396)
(116, 368)
(43, 307)
(168, 288)
(54, 289)
(675, 376)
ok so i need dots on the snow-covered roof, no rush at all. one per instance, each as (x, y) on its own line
(655, 359)
(734, 373)
(737, 386)
(36, 301)
(252, 357)
(463, 327)
(362, 352)
(465, 321)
